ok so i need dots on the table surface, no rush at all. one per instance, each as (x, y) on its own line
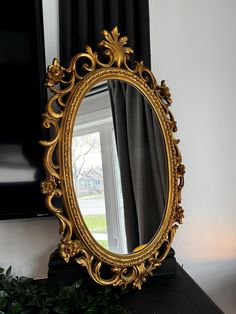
(176, 295)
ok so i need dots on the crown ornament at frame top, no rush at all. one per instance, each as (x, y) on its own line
(116, 55)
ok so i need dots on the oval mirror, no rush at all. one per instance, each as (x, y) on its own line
(114, 171)
(119, 166)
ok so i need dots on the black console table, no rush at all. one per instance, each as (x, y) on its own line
(174, 295)
(170, 291)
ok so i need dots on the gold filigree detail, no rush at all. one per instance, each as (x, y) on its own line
(119, 276)
(48, 186)
(68, 249)
(116, 46)
(165, 93)
(69, 86)
(55, 73)
(179, 214)
(181, 169)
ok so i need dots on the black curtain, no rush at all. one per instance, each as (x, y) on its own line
(142, 158)
(81, 23)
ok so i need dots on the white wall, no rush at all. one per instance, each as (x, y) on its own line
(51, 29)
(193, 49)
(27, 244)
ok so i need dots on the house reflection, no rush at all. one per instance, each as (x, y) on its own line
(91, 182)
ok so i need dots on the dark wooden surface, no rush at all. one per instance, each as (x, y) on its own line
(177, 295)
(170, 291)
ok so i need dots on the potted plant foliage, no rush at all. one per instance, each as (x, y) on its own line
(28, 296)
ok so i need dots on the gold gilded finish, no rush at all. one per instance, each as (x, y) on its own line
(68, 87)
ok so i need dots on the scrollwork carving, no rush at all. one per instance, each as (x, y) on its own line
(72, 83)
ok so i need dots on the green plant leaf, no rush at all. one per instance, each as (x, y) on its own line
(1, 271)
(78, 283)
(3, 294)
(3, 304)
(8, 272)
(16, 307)
(28, 296)
(25, 280)
(44, 311)
(2, 277)
(26, 312)
(61, 309)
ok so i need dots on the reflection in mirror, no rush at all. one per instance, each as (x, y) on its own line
(119, 167)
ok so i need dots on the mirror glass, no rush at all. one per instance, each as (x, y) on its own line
(119, 166)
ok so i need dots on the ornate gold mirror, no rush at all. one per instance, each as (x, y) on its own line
(114, 172)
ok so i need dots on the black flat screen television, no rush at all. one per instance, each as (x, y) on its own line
(22, 101)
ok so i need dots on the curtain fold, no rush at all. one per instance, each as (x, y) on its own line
(81, 23)
(142, 158)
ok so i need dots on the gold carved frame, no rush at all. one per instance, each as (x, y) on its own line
(68, 88)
